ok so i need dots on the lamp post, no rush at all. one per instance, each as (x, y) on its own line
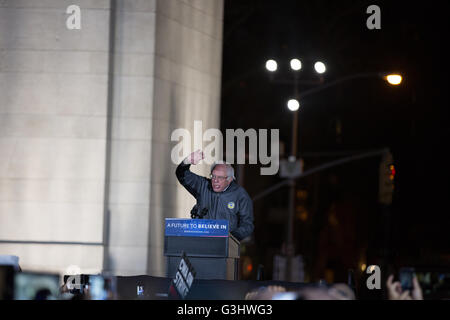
(294, 106)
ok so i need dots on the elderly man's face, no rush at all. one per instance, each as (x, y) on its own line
(219, 179)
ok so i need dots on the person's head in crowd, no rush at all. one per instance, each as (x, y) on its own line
(341, 291)
(43, 294)
(338, 291)
(264, 293)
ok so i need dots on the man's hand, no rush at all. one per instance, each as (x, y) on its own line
(195, 157)
(395, 290)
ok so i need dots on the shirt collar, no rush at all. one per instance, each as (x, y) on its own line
(227, 187)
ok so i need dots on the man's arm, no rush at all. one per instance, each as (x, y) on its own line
(245, 227)
(188, 179)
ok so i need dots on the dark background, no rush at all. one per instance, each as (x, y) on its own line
(342, 224)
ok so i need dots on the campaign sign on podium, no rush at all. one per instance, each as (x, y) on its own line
(196, 228)
(212, 250)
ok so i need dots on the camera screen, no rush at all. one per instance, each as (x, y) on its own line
(36, 286)
(406, 279)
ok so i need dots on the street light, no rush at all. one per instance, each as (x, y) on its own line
(394, 79)
(271, 65)
(293, 105)
(383, 75)
(296, 64)
(320, 67)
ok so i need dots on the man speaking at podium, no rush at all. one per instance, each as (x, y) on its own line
(219, 197)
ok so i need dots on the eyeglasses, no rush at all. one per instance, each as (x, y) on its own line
(220, 178)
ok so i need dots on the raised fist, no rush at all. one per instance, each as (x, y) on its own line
(195, 157)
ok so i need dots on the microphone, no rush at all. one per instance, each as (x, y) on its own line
(203, 213)
(194, 212)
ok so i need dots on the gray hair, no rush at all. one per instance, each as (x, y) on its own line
(230, 170)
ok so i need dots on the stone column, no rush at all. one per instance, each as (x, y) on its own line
(86, 116)
(53, 89)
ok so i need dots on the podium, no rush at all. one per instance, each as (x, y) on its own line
(211, 249)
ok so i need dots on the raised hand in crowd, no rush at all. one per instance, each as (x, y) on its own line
(395, 291)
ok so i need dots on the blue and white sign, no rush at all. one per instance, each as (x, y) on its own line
(196, 227)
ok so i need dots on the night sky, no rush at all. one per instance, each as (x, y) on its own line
(366, 114)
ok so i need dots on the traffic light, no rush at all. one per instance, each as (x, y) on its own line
(387, 177)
